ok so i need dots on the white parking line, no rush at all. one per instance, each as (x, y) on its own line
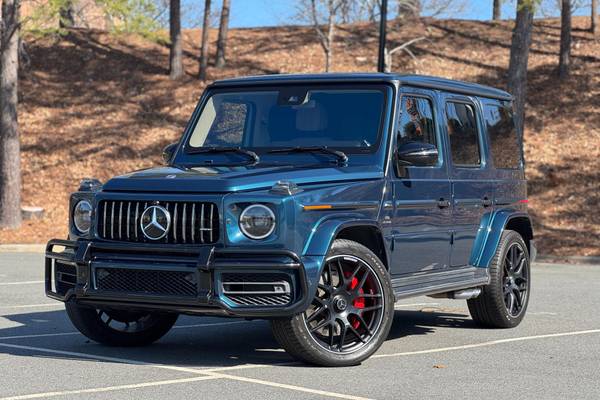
(490, 343)
(215, 372)
(415, 305)
(20, 283)
(286, 386)
(110, 388)
(17, 306)
(41, 335)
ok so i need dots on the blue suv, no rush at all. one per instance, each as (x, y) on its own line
(313, 201)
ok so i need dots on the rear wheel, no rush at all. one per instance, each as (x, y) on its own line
(350, 315)
(118, 327)
(503, 303)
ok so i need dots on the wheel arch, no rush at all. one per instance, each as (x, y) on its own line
(490, 233)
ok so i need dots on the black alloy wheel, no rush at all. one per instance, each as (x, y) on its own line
(515, 279)
(347, 310)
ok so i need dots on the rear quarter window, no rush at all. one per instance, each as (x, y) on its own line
(504, 143)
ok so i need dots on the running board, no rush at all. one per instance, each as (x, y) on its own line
(440, 282)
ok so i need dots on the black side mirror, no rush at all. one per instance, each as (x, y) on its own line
(419, 154)
(168, 152)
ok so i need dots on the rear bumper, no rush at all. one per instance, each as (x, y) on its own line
(175, 278)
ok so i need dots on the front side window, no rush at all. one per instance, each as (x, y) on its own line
(416, 121)
(349, 119)
(463, 133)
(504, 144)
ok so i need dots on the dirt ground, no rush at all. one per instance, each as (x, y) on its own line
(95, 105)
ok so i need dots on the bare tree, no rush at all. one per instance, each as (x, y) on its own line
(564, 59)
(223, 29)
(497, 10)
(204, 45)
(519, 58)
(409, 8)
(323, 15)
(176, 49)
(594, 17)
(10, 158)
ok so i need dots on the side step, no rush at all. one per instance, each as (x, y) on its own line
(455, 281)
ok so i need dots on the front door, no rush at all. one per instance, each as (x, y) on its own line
(470, 175)
(421, 222)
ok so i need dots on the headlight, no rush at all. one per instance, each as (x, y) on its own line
(82, 216)
(257, 221)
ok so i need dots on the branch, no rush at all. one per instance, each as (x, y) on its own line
(404, 46)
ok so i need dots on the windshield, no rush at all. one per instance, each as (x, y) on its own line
(348, 119)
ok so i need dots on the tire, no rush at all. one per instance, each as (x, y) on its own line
(354, 306)
(120, 328)
(493, 307)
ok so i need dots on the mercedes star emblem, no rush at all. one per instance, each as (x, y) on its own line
(155, 222)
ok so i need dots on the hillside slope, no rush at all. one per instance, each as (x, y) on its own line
(96, 105)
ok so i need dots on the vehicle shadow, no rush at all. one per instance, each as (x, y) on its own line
(193, 343)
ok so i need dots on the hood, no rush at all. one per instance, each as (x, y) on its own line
(234, 179)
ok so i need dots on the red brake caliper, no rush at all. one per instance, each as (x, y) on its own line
(359, 302)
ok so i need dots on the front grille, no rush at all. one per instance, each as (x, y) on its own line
(257, 289)
(191, 222)
(149, 282)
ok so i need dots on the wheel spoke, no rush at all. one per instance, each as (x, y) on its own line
(356, 333)
(331, 334)
(343, 330)
(315, 314)
(319, 326)
(370, 295)
(372, 308)
(364, 324)
(511, 302)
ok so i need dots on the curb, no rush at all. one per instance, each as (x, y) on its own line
(22, 248)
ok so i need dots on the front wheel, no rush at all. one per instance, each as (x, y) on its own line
(118, 327)
(350, 315)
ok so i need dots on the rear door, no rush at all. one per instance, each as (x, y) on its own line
(422, 218)
(470, 175)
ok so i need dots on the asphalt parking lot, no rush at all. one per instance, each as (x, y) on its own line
(434, 350)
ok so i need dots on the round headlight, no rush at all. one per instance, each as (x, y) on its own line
(82, 216)
(257, 221)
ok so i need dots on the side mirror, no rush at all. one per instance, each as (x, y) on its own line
(168, 152)
(419, 154)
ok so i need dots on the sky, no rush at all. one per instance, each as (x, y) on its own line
(254, 13)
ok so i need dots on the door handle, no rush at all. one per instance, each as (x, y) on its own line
(443, 203)
(486, 202)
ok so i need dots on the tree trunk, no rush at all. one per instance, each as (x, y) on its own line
(564, 61)
(204, 45)
(176, 51)
(223, 29)
(10, 158)
(330, 40)
(519, 58)
(594, 26)
(67, 15)
(497, 11)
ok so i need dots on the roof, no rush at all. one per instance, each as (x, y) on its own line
(423, 81)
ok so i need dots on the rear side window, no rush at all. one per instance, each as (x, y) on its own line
(504, 143)
(464, 138)
(416, 121)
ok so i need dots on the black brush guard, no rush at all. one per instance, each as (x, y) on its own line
(205, 263)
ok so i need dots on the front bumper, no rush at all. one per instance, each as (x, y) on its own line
(174, 278)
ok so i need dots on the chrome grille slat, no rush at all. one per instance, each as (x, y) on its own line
(183, 221)
(191, 222)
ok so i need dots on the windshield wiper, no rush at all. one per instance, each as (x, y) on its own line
(341, 156)
(215, 149)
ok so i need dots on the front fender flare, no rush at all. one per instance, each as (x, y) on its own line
(489, 235)
(320, 240)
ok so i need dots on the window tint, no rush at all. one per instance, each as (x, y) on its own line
(503, 135)
(462, 130)
(416, 121)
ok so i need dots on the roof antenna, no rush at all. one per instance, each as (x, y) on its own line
(382, 32)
